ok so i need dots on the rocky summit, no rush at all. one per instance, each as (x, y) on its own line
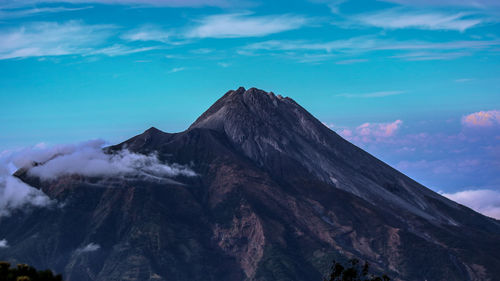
(273, 195)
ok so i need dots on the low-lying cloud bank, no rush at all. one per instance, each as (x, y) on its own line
(14, 194)
(86, 159)
(484, 201)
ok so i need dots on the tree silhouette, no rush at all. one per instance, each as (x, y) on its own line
(24, 272)
(353, 273)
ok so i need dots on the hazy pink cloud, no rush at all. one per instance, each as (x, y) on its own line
(379, 129)
(482, 119)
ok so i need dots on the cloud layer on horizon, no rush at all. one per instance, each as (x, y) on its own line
(460, 160)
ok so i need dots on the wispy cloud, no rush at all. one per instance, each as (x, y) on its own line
(482, 119)
(177, 69)
(351, 61)
(369, 43)
(91, 247)
(464, 80)
(483, 4)
(148, 33)
(52, 39)
(120, 50)
(3, 243)
(399, 18)
(372, 95)
(426, 56)
(484, 201)
(158, 3)
(68, 38)
(409, 50)
(19, 13)
(244, 25)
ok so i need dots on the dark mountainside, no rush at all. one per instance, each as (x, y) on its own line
(277, 196)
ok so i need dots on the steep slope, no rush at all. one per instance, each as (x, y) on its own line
(276, 196)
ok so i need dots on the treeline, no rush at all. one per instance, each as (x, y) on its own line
(24, 272)
(353, 272)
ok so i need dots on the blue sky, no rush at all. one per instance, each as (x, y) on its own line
(415, 83)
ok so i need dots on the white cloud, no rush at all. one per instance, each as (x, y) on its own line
(177, 69)
(159, 3)
(464, 80)
(120, 50)
(484, 201)
(91, 247)
(3, 244)
(368, 43)
(147, 33)
(88, 159)
(425, 56)
(18, 13)
(14, 194)
(244, 25)
(224, 64)
(372, 95)
(398, 19)
(455, 3)
(408, 50)
(351, 61)
(52, 39)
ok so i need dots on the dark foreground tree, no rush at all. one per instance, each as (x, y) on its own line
(24, 272)
(353, 273)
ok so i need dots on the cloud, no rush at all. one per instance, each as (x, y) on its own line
(120, 50)
(464, 80)
(158, 3)
(379, 129)
(3, 244)
(19, 13)
(399, 19)
(14, 194)
(88, 159)
(244, 25)
(52, 39)
(411, 49)
(484, 201)
(224, 64)
(68, 38)
(91, 247)
(482, 119)
(148, 33)
(372, 95)
(351, 61)
(425, 56)
(177, 69)
(371, 132)
(453, 3)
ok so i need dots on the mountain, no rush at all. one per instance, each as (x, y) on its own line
(275, 195)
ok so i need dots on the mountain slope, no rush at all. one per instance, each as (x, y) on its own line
(276, 196)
